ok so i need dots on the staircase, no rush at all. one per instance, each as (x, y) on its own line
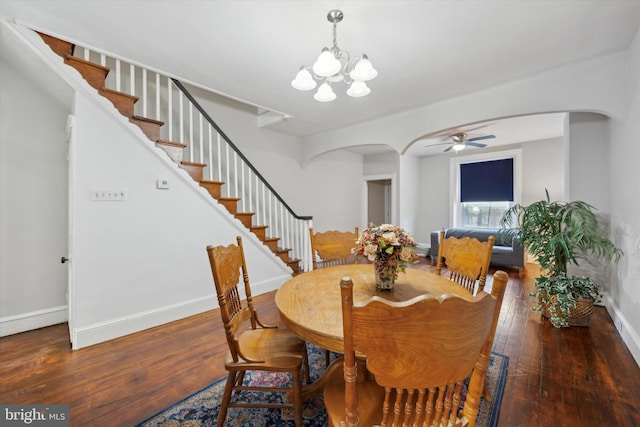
(222, 156)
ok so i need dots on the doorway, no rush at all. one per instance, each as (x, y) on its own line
(379, 201)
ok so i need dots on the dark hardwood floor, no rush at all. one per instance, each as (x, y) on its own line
(556, 377)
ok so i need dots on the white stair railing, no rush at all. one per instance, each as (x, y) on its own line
(165, 99)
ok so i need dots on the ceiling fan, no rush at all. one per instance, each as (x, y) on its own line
(459, 140)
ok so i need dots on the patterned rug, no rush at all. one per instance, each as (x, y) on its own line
(201, 408)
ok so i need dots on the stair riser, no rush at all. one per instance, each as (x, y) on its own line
(175, 153)
(231, 205)
(246, 220)
(151, 130)
(194, 171)
(260, 232)
(123, 102)
(60, 47)
(273, 245)
(94, 74)
(214, 188)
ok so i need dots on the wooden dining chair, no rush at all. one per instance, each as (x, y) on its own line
(333, 247)
(466, 260)
(253, 346)
(418, 353)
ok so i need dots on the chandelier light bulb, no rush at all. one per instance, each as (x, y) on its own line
(327, 65)
(334, 66)
(304, 80)
(324, 93)
(358, 89)
(363, 70)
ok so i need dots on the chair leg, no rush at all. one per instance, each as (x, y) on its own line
(305, 366)
(226, 398)
(297, 396)
(327, 357)
(485, 393)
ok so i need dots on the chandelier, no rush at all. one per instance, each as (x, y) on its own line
(333, 66)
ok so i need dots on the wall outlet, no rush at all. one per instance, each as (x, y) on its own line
(618, 324)
(108, 195)
(162, 184)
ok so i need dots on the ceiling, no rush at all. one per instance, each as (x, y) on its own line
(424, 51)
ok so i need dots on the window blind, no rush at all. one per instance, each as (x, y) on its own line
(490, 181)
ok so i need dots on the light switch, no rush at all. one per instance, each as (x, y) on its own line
(162, 184)
(100, 195)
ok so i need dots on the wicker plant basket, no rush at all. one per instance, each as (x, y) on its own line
(580, 315)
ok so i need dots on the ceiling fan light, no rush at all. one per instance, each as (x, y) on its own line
(303, 80)
(459, 146)
(324, 93)
(327, 65)
(358, 89)
(363, 71)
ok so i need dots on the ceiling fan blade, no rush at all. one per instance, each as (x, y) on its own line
(480, 138)
(448, 149)
(476, 144)
(435, 145)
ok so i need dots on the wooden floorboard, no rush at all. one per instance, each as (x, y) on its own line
(556, 377)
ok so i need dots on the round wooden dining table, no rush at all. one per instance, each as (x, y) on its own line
(310, 303)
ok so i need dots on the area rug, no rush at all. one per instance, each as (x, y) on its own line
(201, 408)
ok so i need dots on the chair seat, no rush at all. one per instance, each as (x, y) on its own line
(280, 349)
(370, 400)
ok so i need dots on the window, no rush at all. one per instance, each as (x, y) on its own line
(485, 187)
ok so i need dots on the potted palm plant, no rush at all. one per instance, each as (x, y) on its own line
(559, 234)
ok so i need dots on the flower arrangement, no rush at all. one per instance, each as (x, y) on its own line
(389, 247)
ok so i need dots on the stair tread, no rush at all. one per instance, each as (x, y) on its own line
(229, 199)
(245, 213)
(123, 94)
(172, 143)
(185, 163)
(89, 63)
(147, 119)
(207, 181)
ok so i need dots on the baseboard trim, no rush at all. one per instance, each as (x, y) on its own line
(104, 331)
(16, 324)
(629, 334)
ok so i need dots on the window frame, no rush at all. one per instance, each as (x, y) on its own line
(455, 207)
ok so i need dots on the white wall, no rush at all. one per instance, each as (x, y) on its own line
(623, 297)
(542, 168)
(433, 199)
(408, 190)
(33, 204)
(589, 169)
